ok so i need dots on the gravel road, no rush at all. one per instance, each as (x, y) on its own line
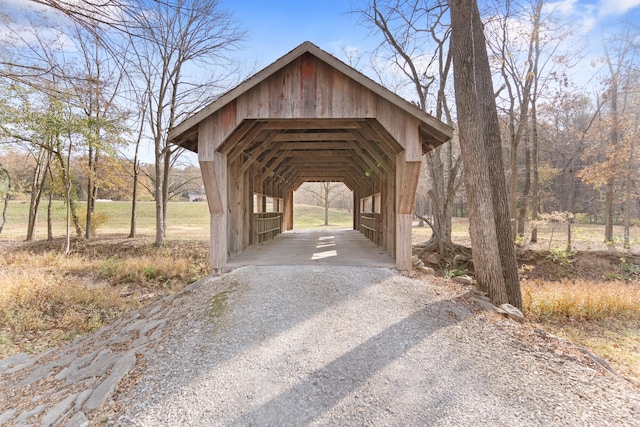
(289, 346)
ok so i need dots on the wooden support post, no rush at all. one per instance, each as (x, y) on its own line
(218, 241)
(407, 173)
(288, 210)
(356, 210)
(403, 242)
(213, 166)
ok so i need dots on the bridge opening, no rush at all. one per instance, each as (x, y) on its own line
(321, 204)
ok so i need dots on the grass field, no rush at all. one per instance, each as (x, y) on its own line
(584, 237)
(186, 220)
(191, 221)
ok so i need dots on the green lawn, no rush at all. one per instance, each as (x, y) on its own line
(191, 221)
(185, 220)
(305, 216)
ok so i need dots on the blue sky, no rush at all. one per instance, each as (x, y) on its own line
(276, 27)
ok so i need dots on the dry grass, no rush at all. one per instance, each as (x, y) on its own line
(47, 297)
(602, 316)
(40, 308)
(582, 300)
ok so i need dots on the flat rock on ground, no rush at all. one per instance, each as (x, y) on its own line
(312, 345)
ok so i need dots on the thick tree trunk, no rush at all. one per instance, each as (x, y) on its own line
(493, 252)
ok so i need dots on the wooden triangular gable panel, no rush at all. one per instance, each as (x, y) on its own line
(310, 83)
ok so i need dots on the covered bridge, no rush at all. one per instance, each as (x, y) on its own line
(309, 117)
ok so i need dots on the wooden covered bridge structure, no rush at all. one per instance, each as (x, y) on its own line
(309, 117)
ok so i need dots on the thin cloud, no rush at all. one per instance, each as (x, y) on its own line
(616, 7)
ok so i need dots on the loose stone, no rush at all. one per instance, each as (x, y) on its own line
(78, 420)
(512, 312)
(7, 415)
(108, 386)
(58, 411)
(16, 359)
(24, 417)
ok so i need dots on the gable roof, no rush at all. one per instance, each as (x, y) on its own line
(307, 47)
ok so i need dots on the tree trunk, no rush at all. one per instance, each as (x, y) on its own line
(49, 218)
(493, 253)
(535, 175)
(3, 219)
(134, 196)
(72, 212)
(165, 187)
(39, 175)
(522, 215)
(627, 201)
(609, 189)
(608, 211)
(159, 200)
(442, 194)
(535, 185)
(90, 195)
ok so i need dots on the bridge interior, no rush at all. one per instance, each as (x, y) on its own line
(315, 247)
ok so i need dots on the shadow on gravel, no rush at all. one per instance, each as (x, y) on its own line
(326, 387)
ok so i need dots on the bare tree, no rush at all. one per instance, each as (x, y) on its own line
(493, 252)
(324, 193)
(97, 85)
(416, 33)
(167, 38)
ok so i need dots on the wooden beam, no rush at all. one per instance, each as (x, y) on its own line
(313, 124)
(368, 148)
(275, 164)
(245, 141)
(270, 150)
(375, 169)
(313, 153)
(255, 154)
(319, 158)
(374, 129)
(315, 136)
(242, 129)
(334, 146)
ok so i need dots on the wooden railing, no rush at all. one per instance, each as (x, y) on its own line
(267, 225)
(370, 226)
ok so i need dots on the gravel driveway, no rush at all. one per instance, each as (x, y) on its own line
(311, 345)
